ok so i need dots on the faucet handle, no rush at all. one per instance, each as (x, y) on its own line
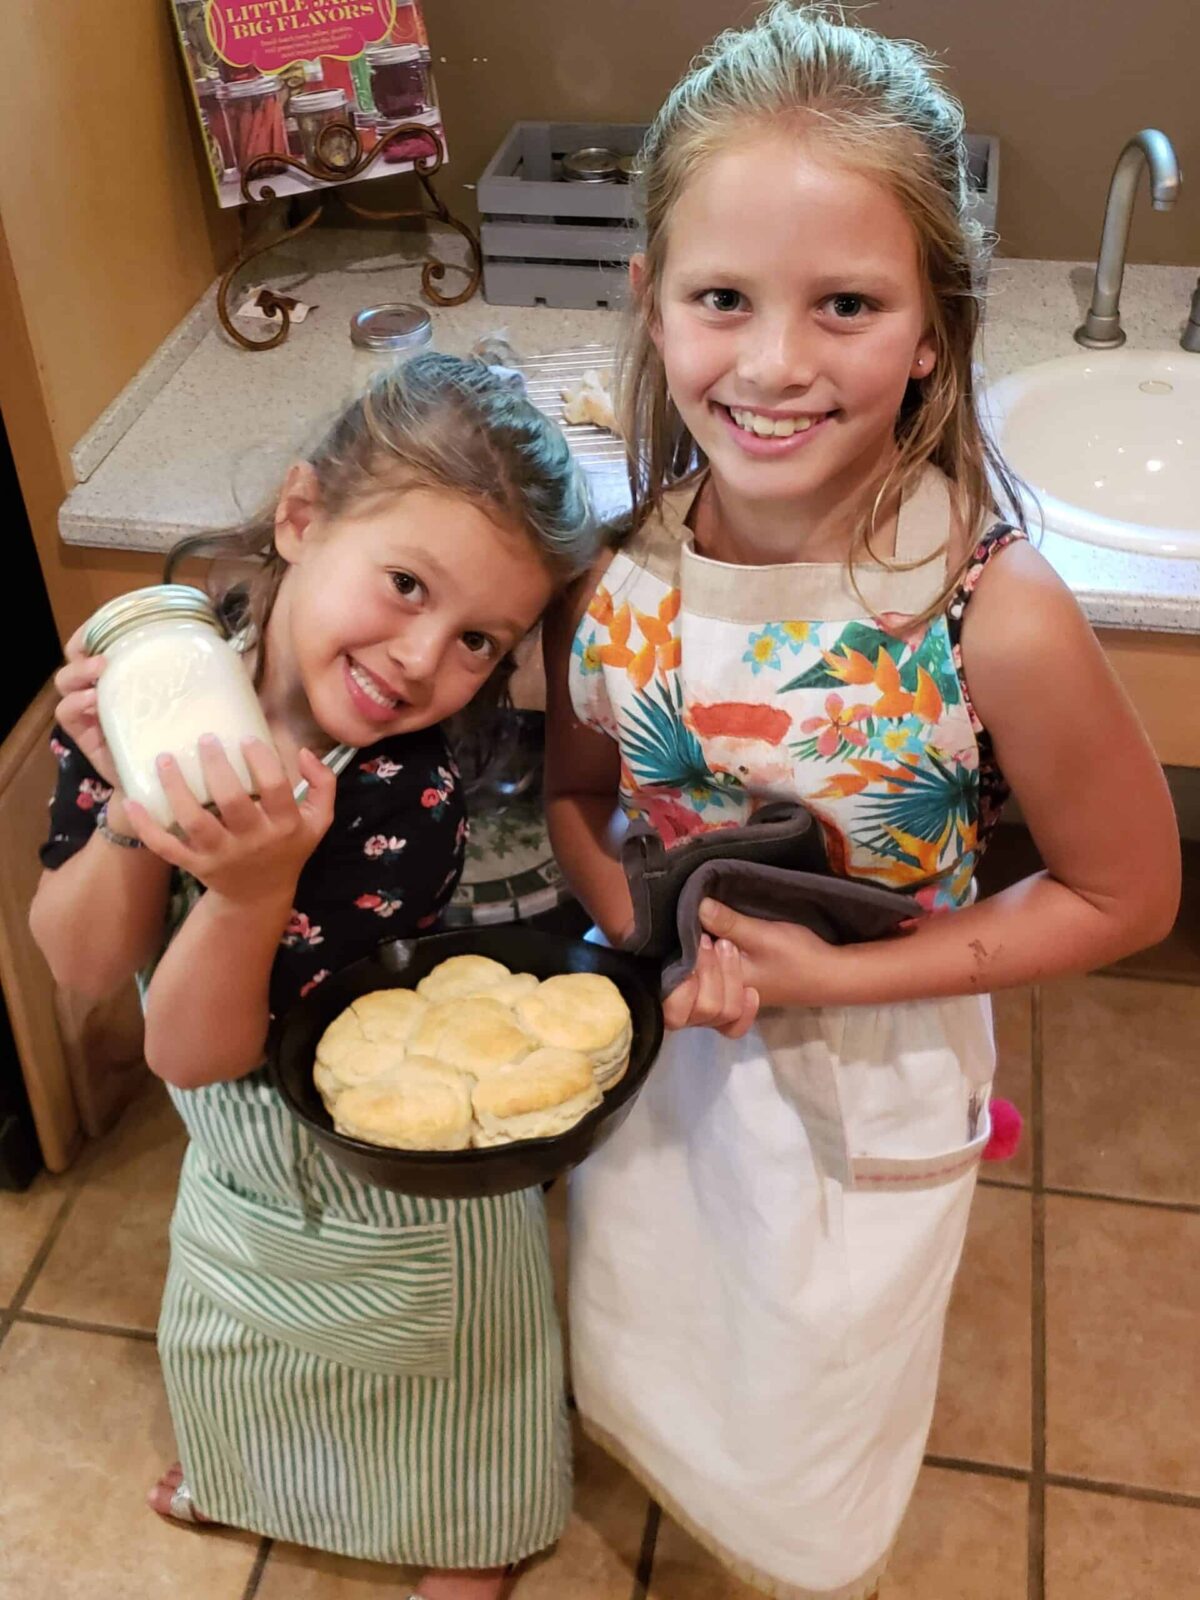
(1191, 334)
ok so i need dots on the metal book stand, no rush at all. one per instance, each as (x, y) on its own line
(340, 158)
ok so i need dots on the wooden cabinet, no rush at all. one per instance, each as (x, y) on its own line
(81, 1061)
(26, 782)
(1161, 675)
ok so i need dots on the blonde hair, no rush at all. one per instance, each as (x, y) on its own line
(435, 421)
(877, 105)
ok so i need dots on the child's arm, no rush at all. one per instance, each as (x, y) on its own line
(583, 771)
(1091, 792)
(206, 1008)
(98, 919)
(97, 914)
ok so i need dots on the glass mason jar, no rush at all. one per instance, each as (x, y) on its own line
(399, 81)
(383, 336)
(254, 111)
(212, 109)
(367, 126)
(314, 112)
(406, 27)
(170, 675)
(198, 45)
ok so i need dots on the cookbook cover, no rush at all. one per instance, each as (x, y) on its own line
(291, 77)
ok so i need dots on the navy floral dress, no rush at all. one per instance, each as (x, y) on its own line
(385, 869)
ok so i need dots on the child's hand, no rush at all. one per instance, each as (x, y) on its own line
(787, 965)
(717, 995)
(76, 714)
(249, 851)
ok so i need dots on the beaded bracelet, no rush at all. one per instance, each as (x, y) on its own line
(127, 841)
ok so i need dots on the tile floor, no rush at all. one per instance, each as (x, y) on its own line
(1064, 1462)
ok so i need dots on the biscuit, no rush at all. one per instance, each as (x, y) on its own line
(341, 1038)
(509, 990)
(356, 1064)
(461, 977)
(388, 1016)
(581, 1011)
(539, 1097)
(477, 1035)
(418, 1105)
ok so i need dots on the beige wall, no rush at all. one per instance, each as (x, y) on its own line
(111, 228)
(1062, 82)
(77, 580)
(108, 234)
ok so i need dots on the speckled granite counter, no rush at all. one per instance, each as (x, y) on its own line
(205, 430)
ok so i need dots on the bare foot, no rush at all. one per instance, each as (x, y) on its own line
(464, 1584)
(163, 1493)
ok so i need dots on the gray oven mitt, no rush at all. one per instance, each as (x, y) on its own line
(774, 867)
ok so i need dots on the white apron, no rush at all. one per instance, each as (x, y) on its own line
(762, 1256)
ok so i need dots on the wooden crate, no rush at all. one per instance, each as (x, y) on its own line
(547, 241)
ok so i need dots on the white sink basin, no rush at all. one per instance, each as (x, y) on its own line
(1109, 442)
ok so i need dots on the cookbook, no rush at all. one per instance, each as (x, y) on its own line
(320, 81)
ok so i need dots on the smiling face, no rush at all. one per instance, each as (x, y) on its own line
(790, 317)
(392, 618)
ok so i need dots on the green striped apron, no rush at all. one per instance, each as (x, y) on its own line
(356, 1370)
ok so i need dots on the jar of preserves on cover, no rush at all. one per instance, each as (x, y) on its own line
(314, 112)
(254, 110)
(399, 81)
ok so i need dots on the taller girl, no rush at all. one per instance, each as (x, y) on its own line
(819, 599)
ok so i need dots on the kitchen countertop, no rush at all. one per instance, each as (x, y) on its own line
(202, 434)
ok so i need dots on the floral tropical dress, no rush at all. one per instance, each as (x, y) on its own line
(348, 1368)
(761, 1257)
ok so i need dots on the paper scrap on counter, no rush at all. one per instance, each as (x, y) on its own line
(258, 304)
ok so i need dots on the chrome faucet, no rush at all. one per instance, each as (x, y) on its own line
(1102, 329)
(1191, 334)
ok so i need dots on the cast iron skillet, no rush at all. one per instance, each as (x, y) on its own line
(465, 1174)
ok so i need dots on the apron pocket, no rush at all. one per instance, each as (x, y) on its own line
(382, 1302)
(914, 1081)
(875, 1172)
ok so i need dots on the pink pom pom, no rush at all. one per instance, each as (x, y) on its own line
(1006, 1132)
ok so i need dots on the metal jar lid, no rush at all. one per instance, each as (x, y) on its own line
(252, 88)
(314, 100)
(630, 168)
(593, 165)
(390, 328)
(392, 55)
(161, 602)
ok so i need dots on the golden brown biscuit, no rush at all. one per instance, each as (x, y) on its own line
(418, 1105)
(389, 1015)
(357, 1063)
(538, 1098)
(460, 977)
(342, 1037)
(581, 1011)
(511, 989)
(477, 1036)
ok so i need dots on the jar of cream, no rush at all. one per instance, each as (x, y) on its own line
(170, 676)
